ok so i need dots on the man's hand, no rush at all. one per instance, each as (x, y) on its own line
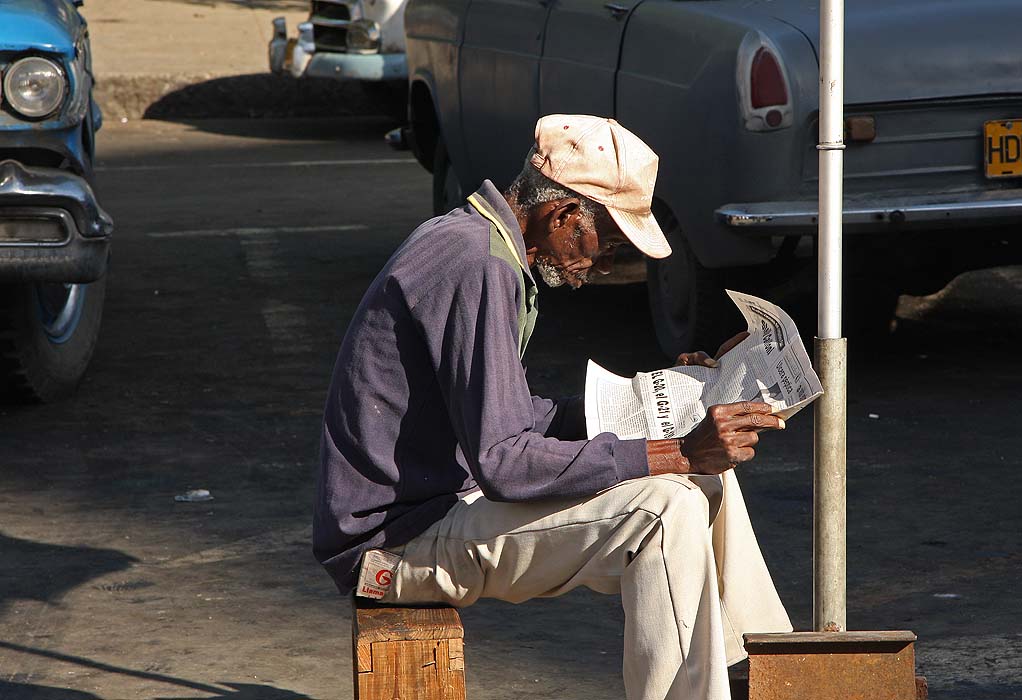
(723, 439)
(699, 357)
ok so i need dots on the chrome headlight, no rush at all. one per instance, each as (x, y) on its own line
(35, 87)
(363, 36)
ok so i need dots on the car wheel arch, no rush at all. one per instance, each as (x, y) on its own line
(671, 219)
(686, 298)
(425, 124)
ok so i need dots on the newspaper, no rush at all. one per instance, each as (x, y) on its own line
(771, 366)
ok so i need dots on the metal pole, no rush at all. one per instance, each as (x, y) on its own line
(831, 347)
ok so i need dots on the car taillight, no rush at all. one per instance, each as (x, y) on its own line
(763, 89)
(766, 83)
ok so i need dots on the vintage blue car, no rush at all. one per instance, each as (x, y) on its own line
(727, 93)
(54, 236)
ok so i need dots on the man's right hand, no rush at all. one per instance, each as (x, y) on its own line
(725, 438)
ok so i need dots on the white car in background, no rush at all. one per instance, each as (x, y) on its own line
(362, 40)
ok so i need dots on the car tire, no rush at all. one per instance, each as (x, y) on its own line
(48, 332)
(687, 301)
(447, 192)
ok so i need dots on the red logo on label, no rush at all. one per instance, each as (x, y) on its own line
(383, 577)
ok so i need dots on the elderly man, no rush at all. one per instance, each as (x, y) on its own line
(444, 480)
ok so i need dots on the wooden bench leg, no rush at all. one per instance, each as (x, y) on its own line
(407, 653)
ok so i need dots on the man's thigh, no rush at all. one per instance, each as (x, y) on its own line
(517, 551)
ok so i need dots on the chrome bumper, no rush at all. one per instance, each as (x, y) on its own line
(300, 58)
(344, 66)
(51, 226)
(865, 214)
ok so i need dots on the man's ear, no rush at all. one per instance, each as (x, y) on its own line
(564, 214)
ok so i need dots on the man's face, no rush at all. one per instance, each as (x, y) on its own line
(576, 246)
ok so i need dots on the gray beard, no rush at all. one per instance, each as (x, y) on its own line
(552, 276)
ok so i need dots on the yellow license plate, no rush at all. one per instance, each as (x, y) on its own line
(1002, 148)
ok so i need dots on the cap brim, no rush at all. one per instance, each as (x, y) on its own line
(643, 231)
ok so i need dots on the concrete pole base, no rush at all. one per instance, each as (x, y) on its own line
(829, 477)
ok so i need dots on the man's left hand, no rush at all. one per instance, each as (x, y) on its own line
(688, 359)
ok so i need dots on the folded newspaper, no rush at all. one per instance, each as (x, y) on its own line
(771, 366)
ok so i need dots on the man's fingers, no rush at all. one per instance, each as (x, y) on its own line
(699, 357)
(750, 407)
(745, 438)
(754, 421)
(747, 415)
(726, 411)
(741, 454)
(688, 359)
(729, 344)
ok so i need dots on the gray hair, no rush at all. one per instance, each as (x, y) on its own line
(532, 188)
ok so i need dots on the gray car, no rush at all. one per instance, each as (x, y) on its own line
(726, 91)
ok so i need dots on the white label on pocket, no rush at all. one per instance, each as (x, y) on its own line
(377, 572)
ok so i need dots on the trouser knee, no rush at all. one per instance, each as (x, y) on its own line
(671, 497)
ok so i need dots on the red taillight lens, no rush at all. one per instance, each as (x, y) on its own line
(766, 81)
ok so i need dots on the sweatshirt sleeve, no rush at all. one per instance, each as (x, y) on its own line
(470, 326)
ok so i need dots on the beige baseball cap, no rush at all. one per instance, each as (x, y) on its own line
(602, 160)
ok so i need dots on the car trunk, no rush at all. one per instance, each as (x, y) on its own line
(925, 146)
(898, 50)
(930, 73)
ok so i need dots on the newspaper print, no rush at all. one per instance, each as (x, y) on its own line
(771, 366)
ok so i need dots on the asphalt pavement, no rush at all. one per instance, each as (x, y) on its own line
(242, 249)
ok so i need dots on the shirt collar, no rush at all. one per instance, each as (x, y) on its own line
(499, 206)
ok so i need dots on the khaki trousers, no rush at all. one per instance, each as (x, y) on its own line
(679, 550)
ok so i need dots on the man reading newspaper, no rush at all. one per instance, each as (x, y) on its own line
(767, 363)
(444, 480)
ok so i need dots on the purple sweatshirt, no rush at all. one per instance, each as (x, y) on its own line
(429, 398)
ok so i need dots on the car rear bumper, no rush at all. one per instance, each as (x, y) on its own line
(52, 228)
(865, 214)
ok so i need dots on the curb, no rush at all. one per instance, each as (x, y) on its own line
(256, 95)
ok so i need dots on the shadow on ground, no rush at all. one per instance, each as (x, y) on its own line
(24, 691)
(370, 127)
(280, 5)
(35, 576)
(14, 690)
(267, 95)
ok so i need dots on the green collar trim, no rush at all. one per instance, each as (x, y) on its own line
(480, 205)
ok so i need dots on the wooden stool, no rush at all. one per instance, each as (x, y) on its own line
(407, 653)
(833, 666)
